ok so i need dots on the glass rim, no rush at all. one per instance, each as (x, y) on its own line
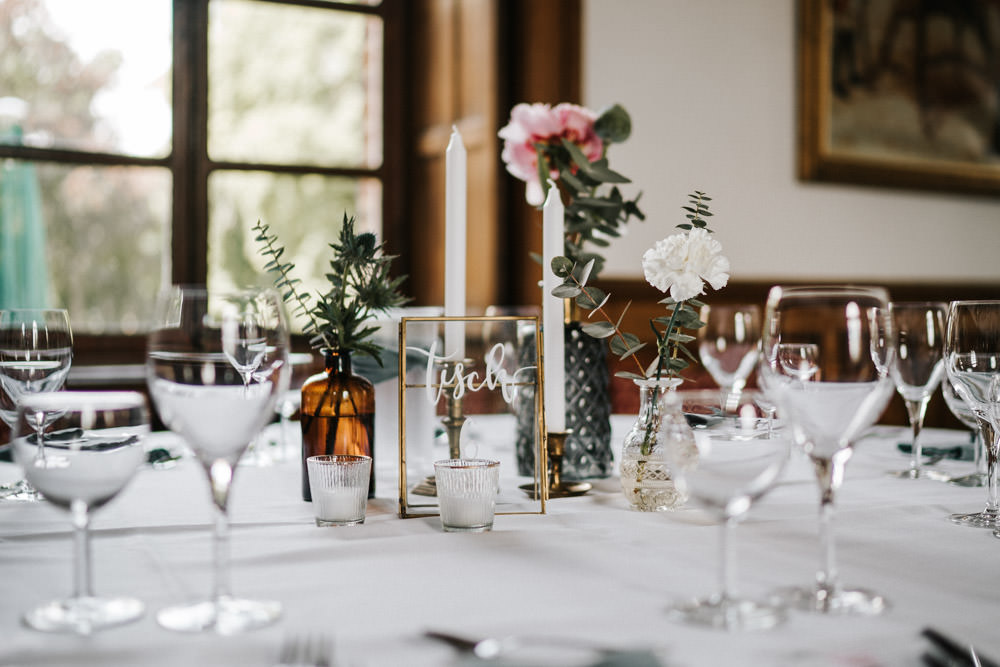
(778, 291)
(95, 399)
(462, 464)
(974, 302)
(338, 459)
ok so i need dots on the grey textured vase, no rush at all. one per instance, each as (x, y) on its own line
(588, 410)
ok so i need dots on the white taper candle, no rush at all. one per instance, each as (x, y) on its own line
(552, 313)
(454, 245)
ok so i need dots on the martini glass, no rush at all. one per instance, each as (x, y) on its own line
(93, 450)
(198, 379)
(730, 468)
(825, 362)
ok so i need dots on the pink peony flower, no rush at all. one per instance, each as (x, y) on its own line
(539, 123)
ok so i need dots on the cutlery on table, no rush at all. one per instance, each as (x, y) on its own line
(492, 648)
(952, 653)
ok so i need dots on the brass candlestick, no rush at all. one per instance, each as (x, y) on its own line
(453, 421)
(555, 445)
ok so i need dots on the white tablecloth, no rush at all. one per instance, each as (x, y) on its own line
(589, 569)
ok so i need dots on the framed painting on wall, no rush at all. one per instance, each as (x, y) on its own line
(900, 93)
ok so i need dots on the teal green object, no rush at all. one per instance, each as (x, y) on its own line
(24, 276)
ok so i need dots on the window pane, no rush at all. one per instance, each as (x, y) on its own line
(93, 240)
(71, 78)
(294, 85)
(304, 211)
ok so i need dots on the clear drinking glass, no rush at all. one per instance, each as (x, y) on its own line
(728, 345)
(92, 451)
(730, 469)
(918, 333)
(964, 414)
(825, 363)
(203, 395)
(972, 361)
(36, 351)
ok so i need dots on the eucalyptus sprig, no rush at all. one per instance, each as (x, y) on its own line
(360, 288)
(670, 266)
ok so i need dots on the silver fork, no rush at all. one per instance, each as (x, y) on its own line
(306, 651)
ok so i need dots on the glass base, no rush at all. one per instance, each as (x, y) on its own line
(226, 616)
(841, 602)
(324, 523)
(729, 613)
(976, 479)
(84, 615)
(922, 473)
(984, 519)
(19, 491)
(467, 529)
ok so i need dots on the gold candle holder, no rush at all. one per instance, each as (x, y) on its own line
(555, 445)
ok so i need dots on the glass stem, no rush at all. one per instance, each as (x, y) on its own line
(991, 440)
(830, 474)
(81, 548)
(916, 411)
(726, 577)
(221, 477)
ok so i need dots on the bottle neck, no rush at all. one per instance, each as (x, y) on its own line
(337, 362)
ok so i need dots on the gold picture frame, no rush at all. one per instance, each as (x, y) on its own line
(900, 94)
(492, 377)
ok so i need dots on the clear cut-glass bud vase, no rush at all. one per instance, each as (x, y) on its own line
(645, 469)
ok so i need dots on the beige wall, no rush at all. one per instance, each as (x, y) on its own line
(710, 85)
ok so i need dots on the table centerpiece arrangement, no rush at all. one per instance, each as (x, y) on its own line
(338, 405)
(570, 143)
(680, 265)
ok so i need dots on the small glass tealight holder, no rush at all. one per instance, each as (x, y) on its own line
(339, 486)
(467, 493)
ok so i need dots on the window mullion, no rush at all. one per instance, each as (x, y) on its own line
(189, 159)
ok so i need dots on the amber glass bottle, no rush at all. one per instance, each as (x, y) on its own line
(337, 415)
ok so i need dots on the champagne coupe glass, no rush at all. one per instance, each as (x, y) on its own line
(727, 470)
(203, 396)
(94, 449)
(964, 414)
(918, 333)
(825, 363)
(728, 347)
(972, 361)
(36, 350)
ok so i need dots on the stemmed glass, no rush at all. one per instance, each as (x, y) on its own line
(918, 333)
(825, 363)
(972, 361)
(94, 449)
(728, 470)
(980, 437)
(205, 398)
(36, 350)
(728, 347)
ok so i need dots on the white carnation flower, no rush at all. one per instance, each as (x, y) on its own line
(682, 263)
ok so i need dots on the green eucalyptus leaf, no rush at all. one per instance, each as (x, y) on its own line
(562, 266)
(613, 125)
(566, 291)
(599, 329)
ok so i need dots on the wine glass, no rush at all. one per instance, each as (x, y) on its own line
(94, 449)
(964, 414)
(972, 361)
(918, 334)
(204, 397)
(36, 350)
(728, 470)
(728, 347)
(825, 363)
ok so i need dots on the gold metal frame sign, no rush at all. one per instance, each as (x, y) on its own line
(470, 388)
